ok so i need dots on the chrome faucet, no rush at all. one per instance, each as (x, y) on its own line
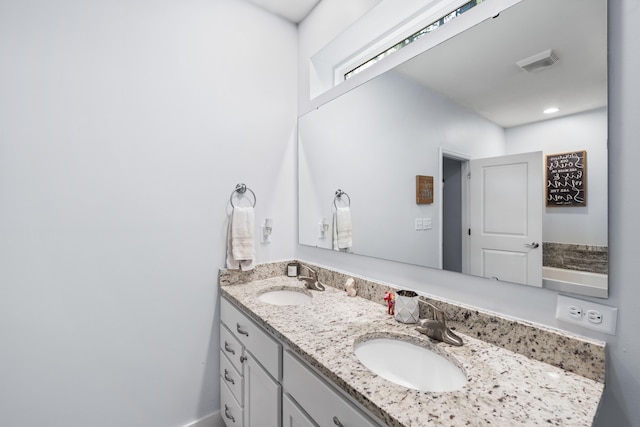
(435, 326)
(311, 282)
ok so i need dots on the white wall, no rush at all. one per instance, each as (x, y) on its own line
(585, 131)
(327, 20)
(124, 127)
(619, 407)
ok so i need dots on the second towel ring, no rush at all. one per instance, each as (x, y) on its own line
(241, 188)
(339, 194)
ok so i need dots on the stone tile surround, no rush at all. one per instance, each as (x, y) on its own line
(589, 258)
(558, 348)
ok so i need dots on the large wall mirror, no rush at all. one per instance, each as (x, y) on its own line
(467, 116)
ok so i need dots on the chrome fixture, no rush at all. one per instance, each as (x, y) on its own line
(435, 326)
(242, 189)
(339, 193)
(311, 281)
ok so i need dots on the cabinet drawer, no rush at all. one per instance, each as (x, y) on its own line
(231, 347)
(266, 349)
(230, 410)
(322, 402)
(232, 378)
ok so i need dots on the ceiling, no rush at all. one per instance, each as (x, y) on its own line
(292, 10)
(477, 69)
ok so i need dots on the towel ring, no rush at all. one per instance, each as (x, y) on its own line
(339, 194)
(241, 189)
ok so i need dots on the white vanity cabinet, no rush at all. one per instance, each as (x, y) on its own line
(250, 371)
(262, 386)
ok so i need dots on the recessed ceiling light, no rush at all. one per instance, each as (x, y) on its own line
(551, 110)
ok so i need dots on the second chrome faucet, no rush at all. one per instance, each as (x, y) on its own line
(435, 326)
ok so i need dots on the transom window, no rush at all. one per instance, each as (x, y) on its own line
(415, 36)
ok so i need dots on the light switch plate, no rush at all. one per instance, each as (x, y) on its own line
(587, 314)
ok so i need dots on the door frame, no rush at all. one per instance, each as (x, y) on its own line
(464, 158)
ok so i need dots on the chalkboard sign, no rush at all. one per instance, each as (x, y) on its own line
(567, 179)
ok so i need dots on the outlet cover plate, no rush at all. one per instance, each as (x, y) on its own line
(567, 304)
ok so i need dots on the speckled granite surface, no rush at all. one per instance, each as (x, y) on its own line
(566, 351)
(261, 271)
(503, 389)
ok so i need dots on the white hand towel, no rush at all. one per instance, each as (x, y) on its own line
(342, 229)
(334, 232)
(241, 250)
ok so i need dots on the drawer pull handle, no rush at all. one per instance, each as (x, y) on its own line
(228, 348)
(336, 421)
(240, 330)
(227, 378)
(243, 358)
(227, 414)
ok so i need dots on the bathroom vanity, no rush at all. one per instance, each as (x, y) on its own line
(295, 365)
(254, 369)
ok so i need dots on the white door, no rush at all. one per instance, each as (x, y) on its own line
(506, 218)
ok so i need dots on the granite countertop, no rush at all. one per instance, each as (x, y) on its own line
(503, 387)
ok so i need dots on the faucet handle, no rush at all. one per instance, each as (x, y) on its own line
(314, 274)
(438, 315)
(435, 326)
(434, 312)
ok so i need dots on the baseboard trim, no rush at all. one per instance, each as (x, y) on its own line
(212, 420)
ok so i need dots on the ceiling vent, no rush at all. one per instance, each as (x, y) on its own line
(538, 61)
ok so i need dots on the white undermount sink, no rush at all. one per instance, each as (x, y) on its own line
(409, 365)
(284, 297)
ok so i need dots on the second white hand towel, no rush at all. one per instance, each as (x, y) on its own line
(343, 228)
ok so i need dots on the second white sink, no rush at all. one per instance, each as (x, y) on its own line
(284, 297)
(409, 365)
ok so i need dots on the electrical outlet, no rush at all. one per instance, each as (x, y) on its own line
(575, 312)
(594, 316)
(587, 314)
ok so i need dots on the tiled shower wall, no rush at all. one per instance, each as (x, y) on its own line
(594, 259)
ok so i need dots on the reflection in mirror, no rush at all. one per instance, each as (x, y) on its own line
(467, 115)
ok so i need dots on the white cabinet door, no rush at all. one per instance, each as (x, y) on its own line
(321, 401)
(293, 416)
(262, 396)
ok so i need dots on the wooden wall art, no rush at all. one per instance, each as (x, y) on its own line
(424, 189)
